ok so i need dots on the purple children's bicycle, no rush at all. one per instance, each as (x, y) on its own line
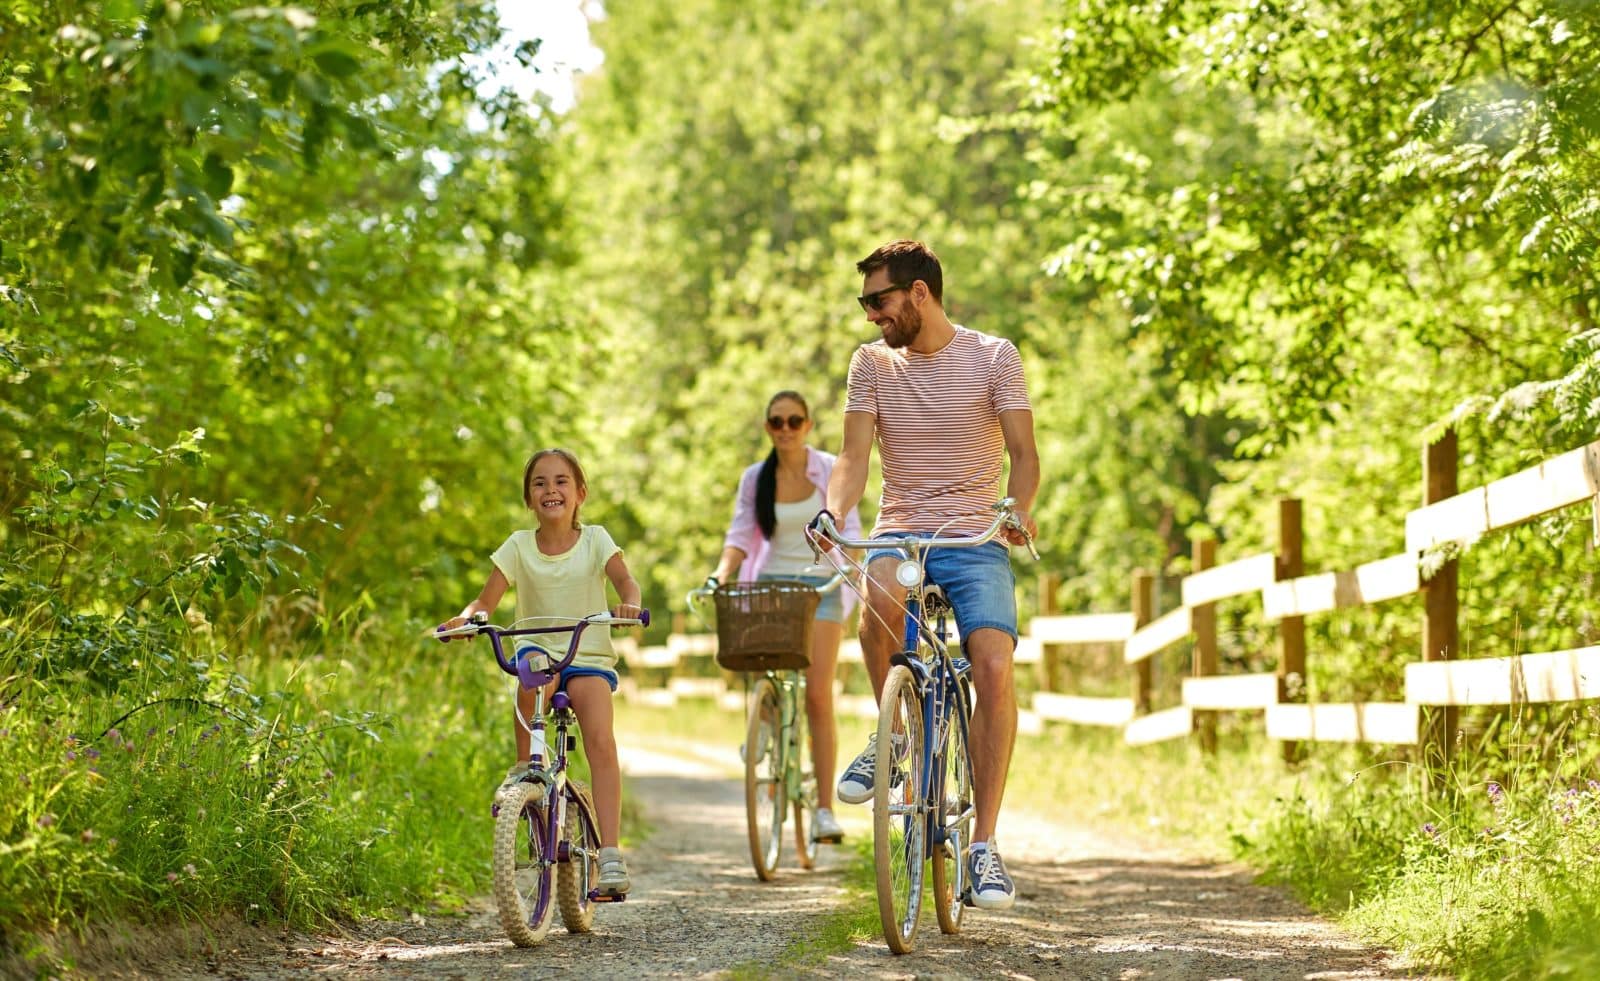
(546, 837)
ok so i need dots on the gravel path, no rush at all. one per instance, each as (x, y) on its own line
(1088, 907)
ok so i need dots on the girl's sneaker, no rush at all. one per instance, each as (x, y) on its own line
(613, 873)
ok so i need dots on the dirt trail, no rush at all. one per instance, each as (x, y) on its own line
(1088, 907)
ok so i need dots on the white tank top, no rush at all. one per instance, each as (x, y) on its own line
(791, 553)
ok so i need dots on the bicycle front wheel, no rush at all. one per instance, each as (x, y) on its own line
(579, 872)
(765, 797)
(899, 814)
(522, 863)
(955, 817)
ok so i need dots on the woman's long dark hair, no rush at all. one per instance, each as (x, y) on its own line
(767, 479)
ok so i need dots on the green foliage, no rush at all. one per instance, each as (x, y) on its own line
(276, 282)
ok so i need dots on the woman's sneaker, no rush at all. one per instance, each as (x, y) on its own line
(613, 873)
(825, 827)
(991, 887)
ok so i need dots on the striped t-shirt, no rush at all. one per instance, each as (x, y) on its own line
(938, 423)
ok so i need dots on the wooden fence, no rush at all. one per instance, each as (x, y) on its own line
(1436, 683)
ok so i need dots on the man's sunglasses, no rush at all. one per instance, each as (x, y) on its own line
(874, 300)
(775, 423)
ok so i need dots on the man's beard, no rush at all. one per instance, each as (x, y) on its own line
(905, 327)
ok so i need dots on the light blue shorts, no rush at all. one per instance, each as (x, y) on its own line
(978, 582)
(830, 610)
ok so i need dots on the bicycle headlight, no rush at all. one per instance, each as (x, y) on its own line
(908, 573)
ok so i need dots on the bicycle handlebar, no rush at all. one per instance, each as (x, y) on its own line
(530, 675)
(1007, 518)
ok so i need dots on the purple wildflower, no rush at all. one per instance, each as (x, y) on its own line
(1497, 794)
(71, 756)
(172, 877)
(92, 753)
(1430, 830)
(46, 820)
(115, 735)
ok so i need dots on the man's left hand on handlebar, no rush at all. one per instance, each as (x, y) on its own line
(815, 535)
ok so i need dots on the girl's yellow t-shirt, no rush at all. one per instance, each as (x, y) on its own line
(572, 584)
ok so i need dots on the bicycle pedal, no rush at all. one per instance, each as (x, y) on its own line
(607, 897)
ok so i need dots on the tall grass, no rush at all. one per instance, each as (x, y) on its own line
(296, 786)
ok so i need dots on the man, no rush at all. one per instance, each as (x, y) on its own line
(945, 405)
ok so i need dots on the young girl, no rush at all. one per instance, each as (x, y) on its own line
(559, 569)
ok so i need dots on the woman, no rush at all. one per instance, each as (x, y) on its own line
(766, 540)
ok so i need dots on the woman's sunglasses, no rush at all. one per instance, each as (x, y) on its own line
(775, 423)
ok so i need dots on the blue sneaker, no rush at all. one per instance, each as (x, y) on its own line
(991, 887)
(856, 783)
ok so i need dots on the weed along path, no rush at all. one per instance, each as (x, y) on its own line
(1088, 908)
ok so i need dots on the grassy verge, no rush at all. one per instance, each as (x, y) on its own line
(297, 787)
(1498, 877)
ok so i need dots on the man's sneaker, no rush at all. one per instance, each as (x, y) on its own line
(613, 873)
(855, 784)
(825, 827)
(991, 887)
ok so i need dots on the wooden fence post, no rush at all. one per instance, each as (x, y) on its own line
(1049, 654)
(1203, 622)
(1439, 611)
(1143, 601)
(1291, 630)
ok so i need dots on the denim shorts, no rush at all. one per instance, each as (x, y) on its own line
(584, 671)
(831, 609)
(978, 582)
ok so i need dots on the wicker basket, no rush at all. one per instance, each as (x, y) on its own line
(765, 626)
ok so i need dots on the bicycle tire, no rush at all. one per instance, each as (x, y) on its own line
(578, 873)
(899, 815)
(765, 798)
(805, 805)
(956, 815)
(521, 868)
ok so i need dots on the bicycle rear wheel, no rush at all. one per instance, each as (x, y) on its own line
(579, 871)
(805, 805)
(522, 864)
(955, 816)
(765, 798)
(899, 814)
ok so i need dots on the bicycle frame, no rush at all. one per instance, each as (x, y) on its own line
(938, 680)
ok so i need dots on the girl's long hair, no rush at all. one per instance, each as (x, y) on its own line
(577, 475)
(767, 478)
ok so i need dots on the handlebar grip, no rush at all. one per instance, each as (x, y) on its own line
(644, 618)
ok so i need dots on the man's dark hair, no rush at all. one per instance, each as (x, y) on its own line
(908, 261)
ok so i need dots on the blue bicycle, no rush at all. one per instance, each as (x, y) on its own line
(922, 804)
